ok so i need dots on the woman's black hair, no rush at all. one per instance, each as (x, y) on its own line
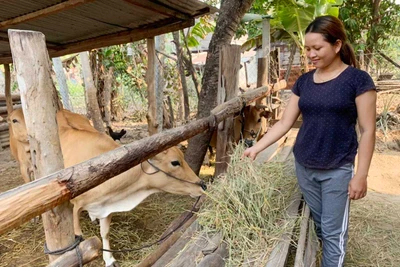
(333, 29)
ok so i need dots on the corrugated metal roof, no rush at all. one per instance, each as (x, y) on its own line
(78, 25)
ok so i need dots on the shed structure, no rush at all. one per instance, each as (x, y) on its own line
(72, 26)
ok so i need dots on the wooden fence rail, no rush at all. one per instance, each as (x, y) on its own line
(23, 203)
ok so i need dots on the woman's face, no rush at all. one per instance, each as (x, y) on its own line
(320, 52)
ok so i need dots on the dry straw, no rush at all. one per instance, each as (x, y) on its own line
(247, 205)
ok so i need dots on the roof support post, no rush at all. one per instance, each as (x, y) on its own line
(31, 61)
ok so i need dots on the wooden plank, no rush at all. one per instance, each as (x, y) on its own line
(280, 252)
(3, 110)
(4, 127)
(170, 241)
(310, 255)
(173, 251)
(288, 146)
(216, 259)
(14, 97)
(191, 253)
(270, 152)
(296, 125)
(301, 244)
(43, 12)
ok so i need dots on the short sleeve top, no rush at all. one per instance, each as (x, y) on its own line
(327, 138)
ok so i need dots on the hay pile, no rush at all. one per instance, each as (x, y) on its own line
(247, 206)
(374, 231)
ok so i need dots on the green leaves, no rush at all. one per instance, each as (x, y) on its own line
(199, 31)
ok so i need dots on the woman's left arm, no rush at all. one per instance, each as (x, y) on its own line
(366, 109)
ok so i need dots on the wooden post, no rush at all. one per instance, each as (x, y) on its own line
(91, 93)
(151, 94)
(7, 78)
(263, 58)
(159, 81)
(263, 63)
(228, 88)
(108, 81)
(90, 250)
(62, 83)
(31, 61)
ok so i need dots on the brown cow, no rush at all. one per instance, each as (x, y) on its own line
(19, 144)
(248, 125)
(166, 172)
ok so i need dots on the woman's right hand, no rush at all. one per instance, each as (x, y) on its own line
(250, 152)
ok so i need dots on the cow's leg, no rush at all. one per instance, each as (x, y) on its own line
(104, 231)
(25, 172)
(76, 212)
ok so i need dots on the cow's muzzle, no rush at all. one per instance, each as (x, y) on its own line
(203, 185)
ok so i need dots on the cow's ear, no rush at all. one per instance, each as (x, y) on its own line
(266, 114)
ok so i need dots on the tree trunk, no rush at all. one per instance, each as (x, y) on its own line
(182, 75)
(39, 102)
(62, 83)
(230, 14)
(93, 106)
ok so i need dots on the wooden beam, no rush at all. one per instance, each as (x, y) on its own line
(111, 39)
(23, 203)
(123, 37)
(279, 254)
(43, 12)
(160, 9)
(8, 96)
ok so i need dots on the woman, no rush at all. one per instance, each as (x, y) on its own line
(331, 98)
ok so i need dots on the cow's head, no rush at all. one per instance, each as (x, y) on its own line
(16, 121)
(170, 172)
(249, 125)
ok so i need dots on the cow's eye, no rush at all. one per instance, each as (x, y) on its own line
(175, 163)
(259, 120)
(14, 120)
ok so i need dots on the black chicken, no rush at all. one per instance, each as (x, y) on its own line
(116, 135)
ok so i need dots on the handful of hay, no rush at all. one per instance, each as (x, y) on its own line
(247, 205)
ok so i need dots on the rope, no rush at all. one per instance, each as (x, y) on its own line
(75, 245)
(159, 240)
(169, 175)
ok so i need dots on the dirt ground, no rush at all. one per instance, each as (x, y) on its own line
(383, 185)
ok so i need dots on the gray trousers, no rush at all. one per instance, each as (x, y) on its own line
(326, 193)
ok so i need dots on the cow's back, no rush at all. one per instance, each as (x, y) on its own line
(79, 140)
